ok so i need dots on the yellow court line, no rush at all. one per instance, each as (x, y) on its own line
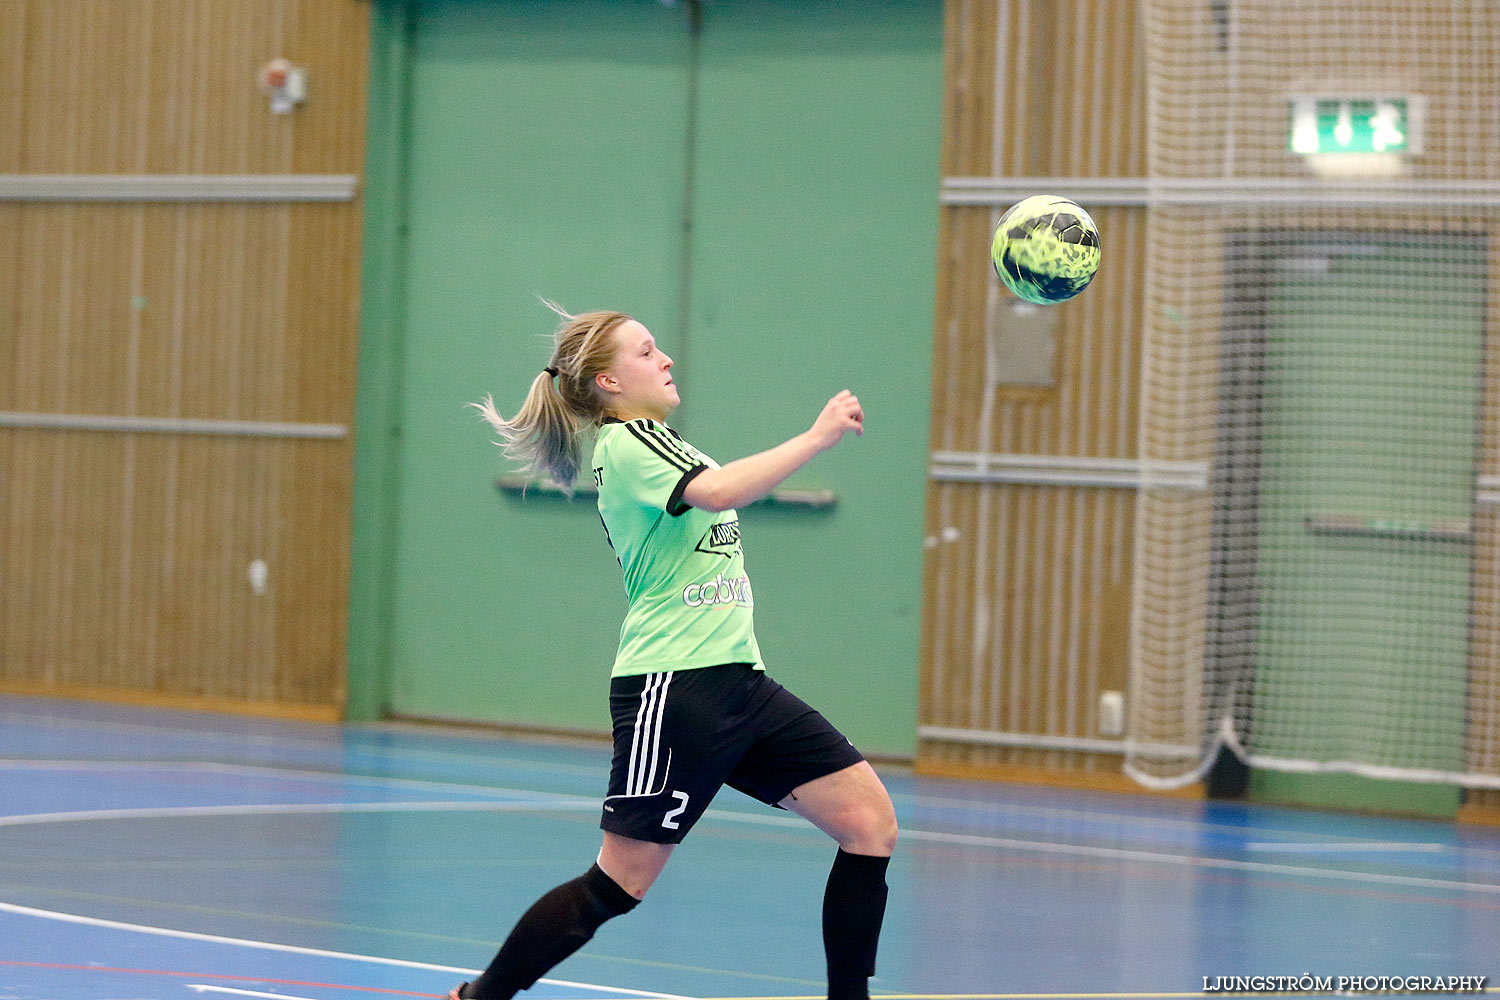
(1041, 996)
(1004, 996)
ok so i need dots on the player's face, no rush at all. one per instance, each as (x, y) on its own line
(639, 380)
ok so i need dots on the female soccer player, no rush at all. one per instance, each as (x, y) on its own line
(692, 706)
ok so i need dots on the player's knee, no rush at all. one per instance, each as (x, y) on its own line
(872, 827)
(632, 866)
(636, 885)
(634, 879)
(883, 827)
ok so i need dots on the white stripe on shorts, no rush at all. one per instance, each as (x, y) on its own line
(661, 710)
(645, 742)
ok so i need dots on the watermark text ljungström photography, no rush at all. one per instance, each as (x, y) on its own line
(1351, 985)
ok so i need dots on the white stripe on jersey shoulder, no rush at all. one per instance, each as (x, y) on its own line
(653, 440)
(671, 439)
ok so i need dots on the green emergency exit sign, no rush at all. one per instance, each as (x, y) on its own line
(1319, 125)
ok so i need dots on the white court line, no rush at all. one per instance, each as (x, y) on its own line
(289, 809)
(292, 949)
(1132, 819)
(1122, 819)
(757, 819)
(1191, 861)
(231, 737)
(1353, 847)
(201, 988)
(175, 730)
(1124, 854)
(290, 773)
(284, 773)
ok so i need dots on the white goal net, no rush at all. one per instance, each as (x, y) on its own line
(1321, 325)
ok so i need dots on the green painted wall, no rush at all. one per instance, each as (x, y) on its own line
(762, 194)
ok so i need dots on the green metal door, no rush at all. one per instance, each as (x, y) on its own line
(536, 165)
(754, 181)
(1372, 363)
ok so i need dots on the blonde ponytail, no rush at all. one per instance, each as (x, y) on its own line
(546, 434)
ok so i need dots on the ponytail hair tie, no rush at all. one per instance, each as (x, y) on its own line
(550, 371)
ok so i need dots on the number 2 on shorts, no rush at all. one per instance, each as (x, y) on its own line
(670, 819)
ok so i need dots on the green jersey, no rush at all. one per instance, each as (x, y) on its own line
(690, 601)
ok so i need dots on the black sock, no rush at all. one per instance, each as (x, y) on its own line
(557, 925)
(853, 908)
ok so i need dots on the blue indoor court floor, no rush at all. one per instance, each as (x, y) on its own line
(161, 854)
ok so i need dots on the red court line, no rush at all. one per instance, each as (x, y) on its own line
(214, 975)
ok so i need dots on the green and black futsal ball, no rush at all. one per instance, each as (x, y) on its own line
(1046, 249)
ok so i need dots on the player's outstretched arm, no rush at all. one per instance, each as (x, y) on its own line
(748, 479)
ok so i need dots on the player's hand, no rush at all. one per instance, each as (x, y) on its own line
(842, 415)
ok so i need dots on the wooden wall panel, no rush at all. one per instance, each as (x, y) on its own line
(161, 310)
(1027, 588)
(1067, 99)
(168, 86)
(127, 554)
(969, 90)
(1092, 409)
(1030, 623)
(128, 558)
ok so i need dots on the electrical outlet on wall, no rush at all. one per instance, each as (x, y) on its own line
(1111, 713)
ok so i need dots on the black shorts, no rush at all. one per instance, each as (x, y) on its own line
(682, 735)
